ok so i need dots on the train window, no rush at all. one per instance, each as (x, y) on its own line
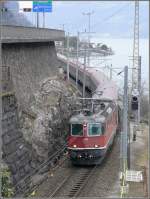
(77, 129)
(94, 129)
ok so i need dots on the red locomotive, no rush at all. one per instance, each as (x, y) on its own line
(92, 132)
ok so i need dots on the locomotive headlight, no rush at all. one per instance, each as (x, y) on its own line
(79, 156)
(74, 145)
(95, 145)
(84, 125)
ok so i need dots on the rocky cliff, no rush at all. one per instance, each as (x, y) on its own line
(37, 104)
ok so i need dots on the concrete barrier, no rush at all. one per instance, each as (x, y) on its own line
(18, 34)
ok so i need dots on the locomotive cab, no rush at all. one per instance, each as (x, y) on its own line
(85, 139)
(91, 135)
(87, 129)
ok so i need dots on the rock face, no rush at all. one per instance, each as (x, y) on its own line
(32, 136)
(53, 104)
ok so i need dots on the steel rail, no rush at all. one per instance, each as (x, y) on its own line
(60, 186)
(78, 186)
(37, 170)
(76, 190)
(53, 170)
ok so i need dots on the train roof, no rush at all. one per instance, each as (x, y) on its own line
(98, 115)
(105, 86)
(81, 118)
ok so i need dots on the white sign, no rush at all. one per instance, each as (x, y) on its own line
(134, 176)
(135, 92)
(24, 4)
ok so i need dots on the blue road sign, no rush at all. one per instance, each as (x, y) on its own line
(42, 6)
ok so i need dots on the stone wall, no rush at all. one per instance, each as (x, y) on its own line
(15, 151)
(29, 64)
(36, 107)
(24, 66)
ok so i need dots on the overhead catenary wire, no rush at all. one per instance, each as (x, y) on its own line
(110, 16)
(103, 20)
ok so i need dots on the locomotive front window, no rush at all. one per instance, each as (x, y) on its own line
(94, 129)
(77, 129)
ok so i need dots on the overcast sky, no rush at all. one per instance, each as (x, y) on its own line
(110, 18)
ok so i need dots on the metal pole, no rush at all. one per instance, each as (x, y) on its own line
(124, 134)
(139, 89)
(77, 63)
(84, 73)
(63, 25)
(37, 18)
(43, 20)
(135, 70)
(111, 72)
(89, 27)
(125, 119)
(63, 42)
(37, 24)
(128, 149)
(68, 57)
(89, 39)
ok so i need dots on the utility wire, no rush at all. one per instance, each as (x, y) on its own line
(110, 16)
(106, 18)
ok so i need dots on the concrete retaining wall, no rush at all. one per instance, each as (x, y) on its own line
(18, 34)
(24, 66)
(15, 151)
(29, 64)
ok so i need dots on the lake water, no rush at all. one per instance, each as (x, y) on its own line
(123, 49)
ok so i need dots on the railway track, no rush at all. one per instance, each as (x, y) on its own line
(82, 177)
(75, 181)
(53, 163)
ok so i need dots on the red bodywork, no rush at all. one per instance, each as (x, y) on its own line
(102, 141)
(86, 141)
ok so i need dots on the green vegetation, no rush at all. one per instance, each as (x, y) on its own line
(6, 185)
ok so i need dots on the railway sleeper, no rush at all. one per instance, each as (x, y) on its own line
(81, 181)
(74, 189)
(76, 186)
